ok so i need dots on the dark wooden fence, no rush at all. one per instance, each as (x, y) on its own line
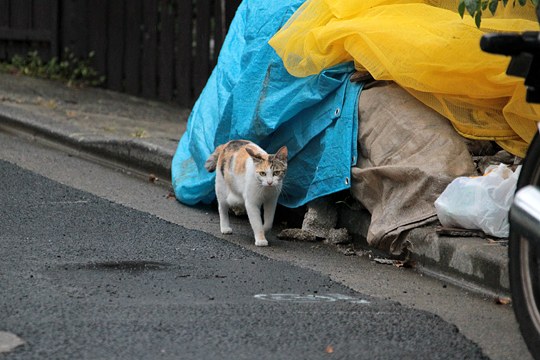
(161, 49)
(27, 25)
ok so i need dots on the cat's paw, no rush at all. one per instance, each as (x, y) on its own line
(226, 230)
(262, 242)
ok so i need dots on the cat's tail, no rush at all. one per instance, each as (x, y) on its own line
(211, 162)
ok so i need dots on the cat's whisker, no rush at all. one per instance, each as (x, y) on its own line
(285, 192)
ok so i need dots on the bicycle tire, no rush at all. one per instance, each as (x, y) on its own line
(524, 261)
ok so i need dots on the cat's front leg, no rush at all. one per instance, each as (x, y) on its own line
(269, 212)
(254, 215)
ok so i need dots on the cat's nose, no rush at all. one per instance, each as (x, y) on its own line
(270, 182)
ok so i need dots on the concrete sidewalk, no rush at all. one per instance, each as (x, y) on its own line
(144, 134)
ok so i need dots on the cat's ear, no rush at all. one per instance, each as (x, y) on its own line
(282, 154)
(254, 155)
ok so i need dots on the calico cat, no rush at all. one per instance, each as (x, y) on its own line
(248, 178)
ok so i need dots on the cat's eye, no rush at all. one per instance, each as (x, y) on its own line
(262, 173)
(277, 173)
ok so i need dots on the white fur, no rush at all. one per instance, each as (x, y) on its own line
(252, 192)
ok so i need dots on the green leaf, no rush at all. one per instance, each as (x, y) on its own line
(493, 6)
(522, 2)
(484, 5)
(461, 8)
(478, 18)
(471, 6)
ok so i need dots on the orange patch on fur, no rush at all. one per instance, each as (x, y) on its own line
(240, 161)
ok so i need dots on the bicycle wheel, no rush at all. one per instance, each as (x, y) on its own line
(524, 257)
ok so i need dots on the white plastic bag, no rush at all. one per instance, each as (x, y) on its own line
(479, 202)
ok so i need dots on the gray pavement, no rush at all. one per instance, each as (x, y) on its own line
(143, 135)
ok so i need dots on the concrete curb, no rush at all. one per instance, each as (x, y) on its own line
(133, 152)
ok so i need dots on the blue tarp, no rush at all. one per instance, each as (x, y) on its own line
(250, 95)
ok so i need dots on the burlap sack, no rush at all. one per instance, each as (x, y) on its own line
(408, 154)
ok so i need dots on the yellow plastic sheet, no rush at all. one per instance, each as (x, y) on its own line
(427, 49)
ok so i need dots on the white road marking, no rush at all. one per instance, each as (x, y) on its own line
(309, 298)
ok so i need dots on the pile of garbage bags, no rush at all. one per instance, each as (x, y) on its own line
(283, 78)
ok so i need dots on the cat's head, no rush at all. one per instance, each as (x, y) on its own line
(270, 169)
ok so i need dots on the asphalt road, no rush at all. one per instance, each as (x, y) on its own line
(82, 277)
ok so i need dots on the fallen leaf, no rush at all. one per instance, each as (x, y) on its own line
(329, 349)
(153, 178)
(50, 104)
(170, 196)
(502, 300)
(408, 264)
(139, 133)
(503, 242)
